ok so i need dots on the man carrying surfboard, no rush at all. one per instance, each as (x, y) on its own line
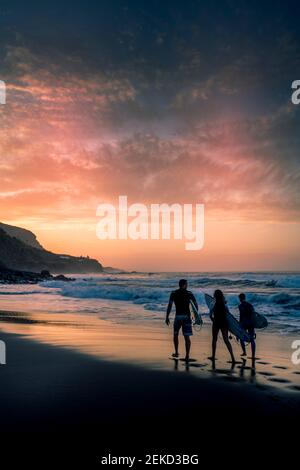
(182, 299)
(247, 321)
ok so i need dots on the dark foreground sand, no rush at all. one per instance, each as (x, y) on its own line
(76, 388)
(62, 406)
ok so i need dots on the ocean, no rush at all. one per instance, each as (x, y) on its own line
(142, 297)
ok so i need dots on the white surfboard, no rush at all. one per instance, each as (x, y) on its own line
(197, 316)
(233, 325)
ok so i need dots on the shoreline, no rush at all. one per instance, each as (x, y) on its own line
(150, 347)
(32, 366)
(67, 405)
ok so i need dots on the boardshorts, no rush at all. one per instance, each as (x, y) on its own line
(183, 322)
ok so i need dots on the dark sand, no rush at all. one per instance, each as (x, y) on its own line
(57, 399)
(92, 406)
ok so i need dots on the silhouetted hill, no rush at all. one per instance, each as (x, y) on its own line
(21, 234)
(15, 254)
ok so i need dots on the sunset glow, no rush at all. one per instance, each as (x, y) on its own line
(79, 130)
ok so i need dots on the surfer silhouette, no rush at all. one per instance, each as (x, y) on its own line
(218, 316)
(247, 315)
(181, 298)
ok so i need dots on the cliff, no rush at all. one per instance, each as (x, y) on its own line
(21, 234)
(17, 254)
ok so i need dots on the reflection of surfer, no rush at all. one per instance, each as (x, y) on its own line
(218, 316)
(247, 318)
(182, 298)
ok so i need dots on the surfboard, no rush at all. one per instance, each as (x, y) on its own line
(260, 321)
(210, 301)
(233, 325)
(197, 317)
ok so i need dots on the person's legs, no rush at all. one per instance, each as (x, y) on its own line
(243, 348)
(177, 326)
(253, 348)
(227, 342)
(176, 343)
(187, 347)
(187, 331)
(215, 332)
(252, 341)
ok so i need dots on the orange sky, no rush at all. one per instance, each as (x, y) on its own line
(64, 150)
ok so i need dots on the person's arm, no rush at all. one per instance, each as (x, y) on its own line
(240, 310)
(169, 308)
(211, 314)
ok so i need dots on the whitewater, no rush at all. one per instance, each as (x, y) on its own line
(142, 297)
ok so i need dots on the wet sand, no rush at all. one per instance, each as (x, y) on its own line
(151, 347)
(100, 384)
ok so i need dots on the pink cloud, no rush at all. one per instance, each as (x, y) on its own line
(62, 150)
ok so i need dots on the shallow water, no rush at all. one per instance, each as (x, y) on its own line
(141, 298)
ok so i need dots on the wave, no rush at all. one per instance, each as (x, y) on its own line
(152, 295)
(292, 282)
(114, 292)
(275, 295)
(223, 282)
(20, 292)
(281, 298)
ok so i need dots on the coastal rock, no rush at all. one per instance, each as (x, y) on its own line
(12, 276)
(61, 277)
(17, 255)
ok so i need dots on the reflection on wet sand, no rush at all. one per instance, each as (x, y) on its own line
(151, 346)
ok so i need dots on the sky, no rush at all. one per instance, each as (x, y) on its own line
(162, 101)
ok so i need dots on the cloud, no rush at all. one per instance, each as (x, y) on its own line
(73, 136)
(42, 90)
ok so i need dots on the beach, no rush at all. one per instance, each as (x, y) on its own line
(151, 347)
(89, 370)
(103, 386)
(149, 193)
